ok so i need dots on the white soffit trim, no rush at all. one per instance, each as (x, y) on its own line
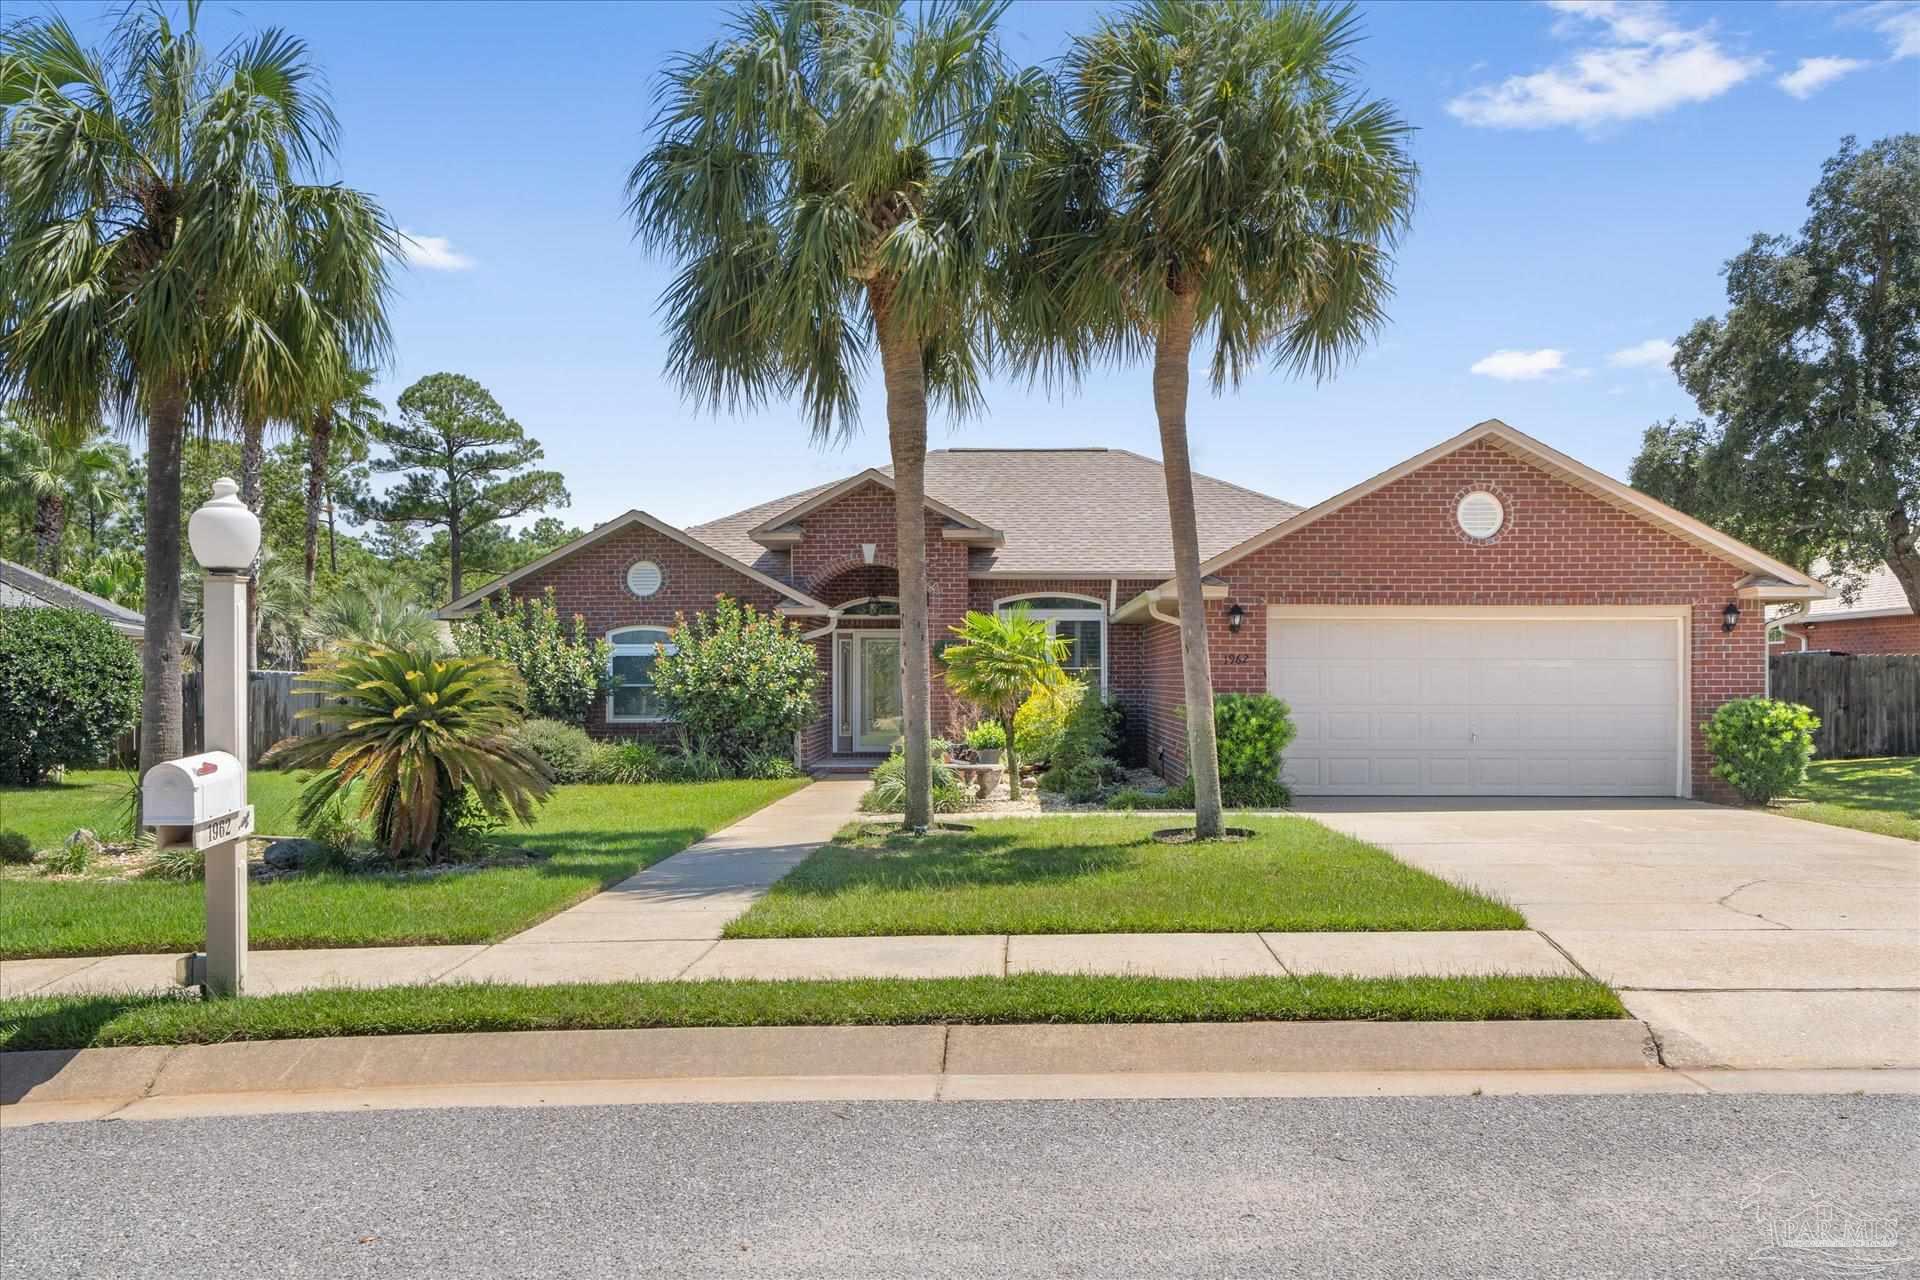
(611, 527)
(1561, 467)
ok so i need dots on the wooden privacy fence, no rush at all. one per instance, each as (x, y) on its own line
(1868, 704)
(272, 705)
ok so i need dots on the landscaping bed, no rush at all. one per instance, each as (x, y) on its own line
(1107, 875)
(78, 1022)
(585, 838)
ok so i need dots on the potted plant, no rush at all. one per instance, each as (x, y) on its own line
(988, 739)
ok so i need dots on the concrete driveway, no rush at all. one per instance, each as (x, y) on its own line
(1743, 939)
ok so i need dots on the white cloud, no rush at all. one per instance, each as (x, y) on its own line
(1653, 353)
(1899, 22)
(432, 253)
(1814, 74)
(1637, 64)
(1519, 366)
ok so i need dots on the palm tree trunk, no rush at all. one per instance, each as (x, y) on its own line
(162, 720)
(1011, 756)
(904, 369)
(319, 441)
(1170, 374)
(253, 460)
(333, 541)
(49, 527)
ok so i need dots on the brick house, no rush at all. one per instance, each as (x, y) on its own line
(1878, 620)
(1489, 617)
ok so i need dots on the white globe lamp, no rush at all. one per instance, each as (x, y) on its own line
(223, 533)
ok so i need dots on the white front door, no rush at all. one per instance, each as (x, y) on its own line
(1481, 702)
(871, 707)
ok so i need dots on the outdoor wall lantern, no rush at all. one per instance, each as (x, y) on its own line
(1730, 616)
(1235, 617)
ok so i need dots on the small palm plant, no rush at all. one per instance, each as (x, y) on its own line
(999, 663)
(419, 733)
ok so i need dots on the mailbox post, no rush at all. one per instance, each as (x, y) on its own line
(224, 536)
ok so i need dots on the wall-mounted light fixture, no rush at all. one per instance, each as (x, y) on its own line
(1235, 617)
(1730, 616)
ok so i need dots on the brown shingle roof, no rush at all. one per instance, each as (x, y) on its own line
(1880, 592)
(1065, 512)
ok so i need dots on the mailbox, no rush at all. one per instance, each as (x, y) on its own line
(192, 790)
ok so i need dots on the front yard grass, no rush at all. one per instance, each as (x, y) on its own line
(592, 836)
(1108, 875)
(1880, 795)
(78, 1022)
(98, 799)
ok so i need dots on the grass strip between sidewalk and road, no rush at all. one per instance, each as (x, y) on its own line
(1108, 875)
(79, 1022)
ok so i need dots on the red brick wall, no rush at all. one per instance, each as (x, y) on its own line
(1402, 546)
(1900, 634)
(592, 582)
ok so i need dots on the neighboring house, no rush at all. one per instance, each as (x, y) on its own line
(1879, 620)
(24, 588)
(1490, 617)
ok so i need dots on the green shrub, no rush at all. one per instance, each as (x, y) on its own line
(1079, 782)
(180, 862)
(1253, 730)
(69, 686)
(73, 855)
(988, 735)
(1082, 760)
(740, 682)
(1761, 746)
(695, 762)
(1042, 720)
(773, 766)
(888, 794)
(565, 749)
(563, 674)
(335, 830)
(628, 763)
(15, 848)
(1130, 798)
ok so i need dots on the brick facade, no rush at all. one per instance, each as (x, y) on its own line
(1401, 545)
(1897, 633)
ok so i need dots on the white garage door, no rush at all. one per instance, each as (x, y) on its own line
(1479, 704)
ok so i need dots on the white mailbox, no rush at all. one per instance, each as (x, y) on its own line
(193, 790)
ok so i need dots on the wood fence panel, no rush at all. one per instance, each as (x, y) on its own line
(1868, 704)
(272, 710)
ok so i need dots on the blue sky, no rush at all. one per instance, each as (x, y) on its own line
(1586, 169)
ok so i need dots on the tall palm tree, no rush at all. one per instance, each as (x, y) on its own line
(342, 415)
(156, 198)
(48, 468)
(831, 178)
(1212, 172)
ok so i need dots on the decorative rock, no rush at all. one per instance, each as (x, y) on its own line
(84, 838)
(291, 853)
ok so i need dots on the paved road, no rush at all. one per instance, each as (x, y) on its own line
(1522, 1187)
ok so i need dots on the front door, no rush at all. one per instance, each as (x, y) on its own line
(874, 693)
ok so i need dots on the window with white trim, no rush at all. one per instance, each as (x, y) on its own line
(632, 699)
(1079, 620)
(871, 607)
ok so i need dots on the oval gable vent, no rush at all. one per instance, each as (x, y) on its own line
(1480, 515)
(644, 578)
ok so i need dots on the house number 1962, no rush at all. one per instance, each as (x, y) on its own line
(1237, 659)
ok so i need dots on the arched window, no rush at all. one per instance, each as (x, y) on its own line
(632, 699)
(1080, 620)
(871, 607)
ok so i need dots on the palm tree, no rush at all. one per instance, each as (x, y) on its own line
(999, 663)
(153, 221)
(343, 415)
(1212, 171)
(831, 179)
(370, 610)
(48, 468)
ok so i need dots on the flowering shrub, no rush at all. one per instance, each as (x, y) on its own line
(563, 675)
(1761, 746)
(738, 681)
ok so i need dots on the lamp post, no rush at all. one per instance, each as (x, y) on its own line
(224, 536)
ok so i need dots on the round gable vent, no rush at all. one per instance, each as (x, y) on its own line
(644, 578)
(1480, 515)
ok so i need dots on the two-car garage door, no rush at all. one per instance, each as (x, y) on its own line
(1480, 702)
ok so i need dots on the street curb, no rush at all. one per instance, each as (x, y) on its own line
(550, 1057)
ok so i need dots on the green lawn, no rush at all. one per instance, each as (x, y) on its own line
(98, 798)
(1880, 795)
(594, 835)
(76, 1022)
(1108, 875)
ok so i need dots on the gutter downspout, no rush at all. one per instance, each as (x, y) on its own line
(833, 624)
(1153, 611)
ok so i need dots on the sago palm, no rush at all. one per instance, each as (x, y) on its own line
(1214, 173)
(415, 730)
(157, 199)
(998, 664)
(831, 179)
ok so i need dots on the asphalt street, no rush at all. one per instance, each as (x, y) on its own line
(1653, 1186)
